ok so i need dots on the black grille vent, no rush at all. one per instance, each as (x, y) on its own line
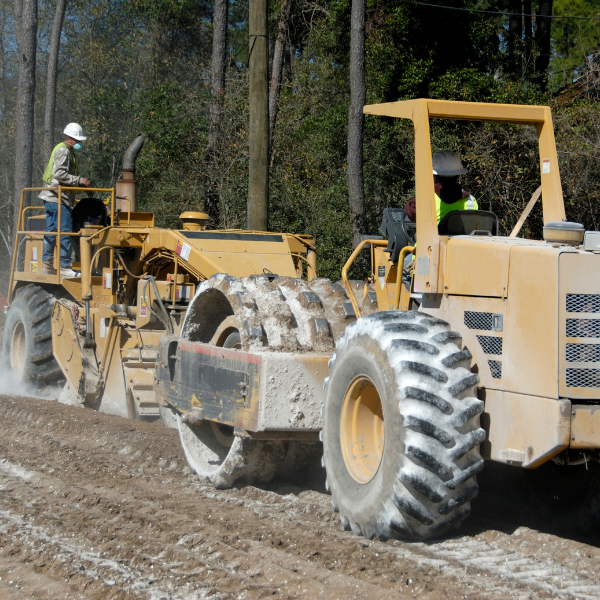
(583, 378)
(583, 353)
(583, 303)
(479, 320)
(496, 368)
(588, 328)
(490, 344)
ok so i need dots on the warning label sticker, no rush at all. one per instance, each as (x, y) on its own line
(143, 308)
(183, 250)
(546, 165)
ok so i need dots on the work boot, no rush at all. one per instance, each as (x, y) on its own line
(48, 267)
(67, 273)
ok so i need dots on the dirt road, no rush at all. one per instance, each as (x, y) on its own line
(94, 506)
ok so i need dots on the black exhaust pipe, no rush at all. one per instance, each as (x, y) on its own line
(127, 185)
(132, 152)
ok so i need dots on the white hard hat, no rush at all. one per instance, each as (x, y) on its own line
(447, 164)
(75, 131)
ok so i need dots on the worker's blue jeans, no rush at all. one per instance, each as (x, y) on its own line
(66, 225)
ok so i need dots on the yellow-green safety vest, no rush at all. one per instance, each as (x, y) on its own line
(443, 208)
(49, 172)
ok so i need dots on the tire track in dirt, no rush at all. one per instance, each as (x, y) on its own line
(108, 508)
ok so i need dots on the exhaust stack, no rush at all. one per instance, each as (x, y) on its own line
(127, 185)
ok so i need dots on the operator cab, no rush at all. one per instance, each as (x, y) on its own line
(401, 232)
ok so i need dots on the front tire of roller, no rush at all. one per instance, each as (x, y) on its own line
(27, 343)
(221, 457)
(401, 428)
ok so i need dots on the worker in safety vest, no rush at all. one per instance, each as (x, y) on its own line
(449, 194)
(62, 170)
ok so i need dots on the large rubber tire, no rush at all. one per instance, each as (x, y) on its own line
(219, 457)
(415, 476)
(27, 342)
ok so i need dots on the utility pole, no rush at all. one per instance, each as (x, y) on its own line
(258, 176)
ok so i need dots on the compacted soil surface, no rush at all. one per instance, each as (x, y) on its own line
(95, 506)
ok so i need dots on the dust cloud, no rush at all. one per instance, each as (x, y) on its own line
(11, 385)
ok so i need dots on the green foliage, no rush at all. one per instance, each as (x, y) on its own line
(144, 65)
(169, 168)
(573, 40)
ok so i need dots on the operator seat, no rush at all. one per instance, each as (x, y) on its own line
(399, 231)
(469, 222)
(89, 210)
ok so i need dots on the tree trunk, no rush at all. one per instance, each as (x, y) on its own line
(356, 122)
(18, 18)
(528, 37)
(26, 20)
(59, 17)
(277, 68)
(258, 104)
(217, 89)
(514, 36)
(542, 41)
(3, 91)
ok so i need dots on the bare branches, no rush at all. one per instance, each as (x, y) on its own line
(59, 17)
(218, 66)
(356, 121)
(277, 68)
(26, 18)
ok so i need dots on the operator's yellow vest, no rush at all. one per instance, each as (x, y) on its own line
(443, 208)
(48, 173)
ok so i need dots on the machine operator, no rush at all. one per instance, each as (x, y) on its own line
(62, 170)
(449, 194)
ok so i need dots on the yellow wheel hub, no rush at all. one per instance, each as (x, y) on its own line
(362, 429)
(18, 349)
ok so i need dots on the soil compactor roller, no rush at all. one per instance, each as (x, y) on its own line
(485, 354)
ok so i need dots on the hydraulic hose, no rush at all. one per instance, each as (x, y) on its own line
(164, 318)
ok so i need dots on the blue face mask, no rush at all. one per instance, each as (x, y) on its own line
(77, 147)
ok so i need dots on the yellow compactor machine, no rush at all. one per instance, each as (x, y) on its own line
(489, 348)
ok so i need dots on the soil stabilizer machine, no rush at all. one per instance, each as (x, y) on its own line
(96, 335)
(488, 349)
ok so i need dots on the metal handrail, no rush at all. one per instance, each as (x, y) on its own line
(349, 263)
(406, 250)
(21, 223)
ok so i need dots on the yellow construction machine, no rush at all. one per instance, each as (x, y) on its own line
(96, 335)
(489, 348)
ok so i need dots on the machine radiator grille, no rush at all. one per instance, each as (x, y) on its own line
(479, 320)
(583, 378)
(583, 303)
(579, 326)
(496, 368)
(490, 344)
(583, 328)
(583, 353)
